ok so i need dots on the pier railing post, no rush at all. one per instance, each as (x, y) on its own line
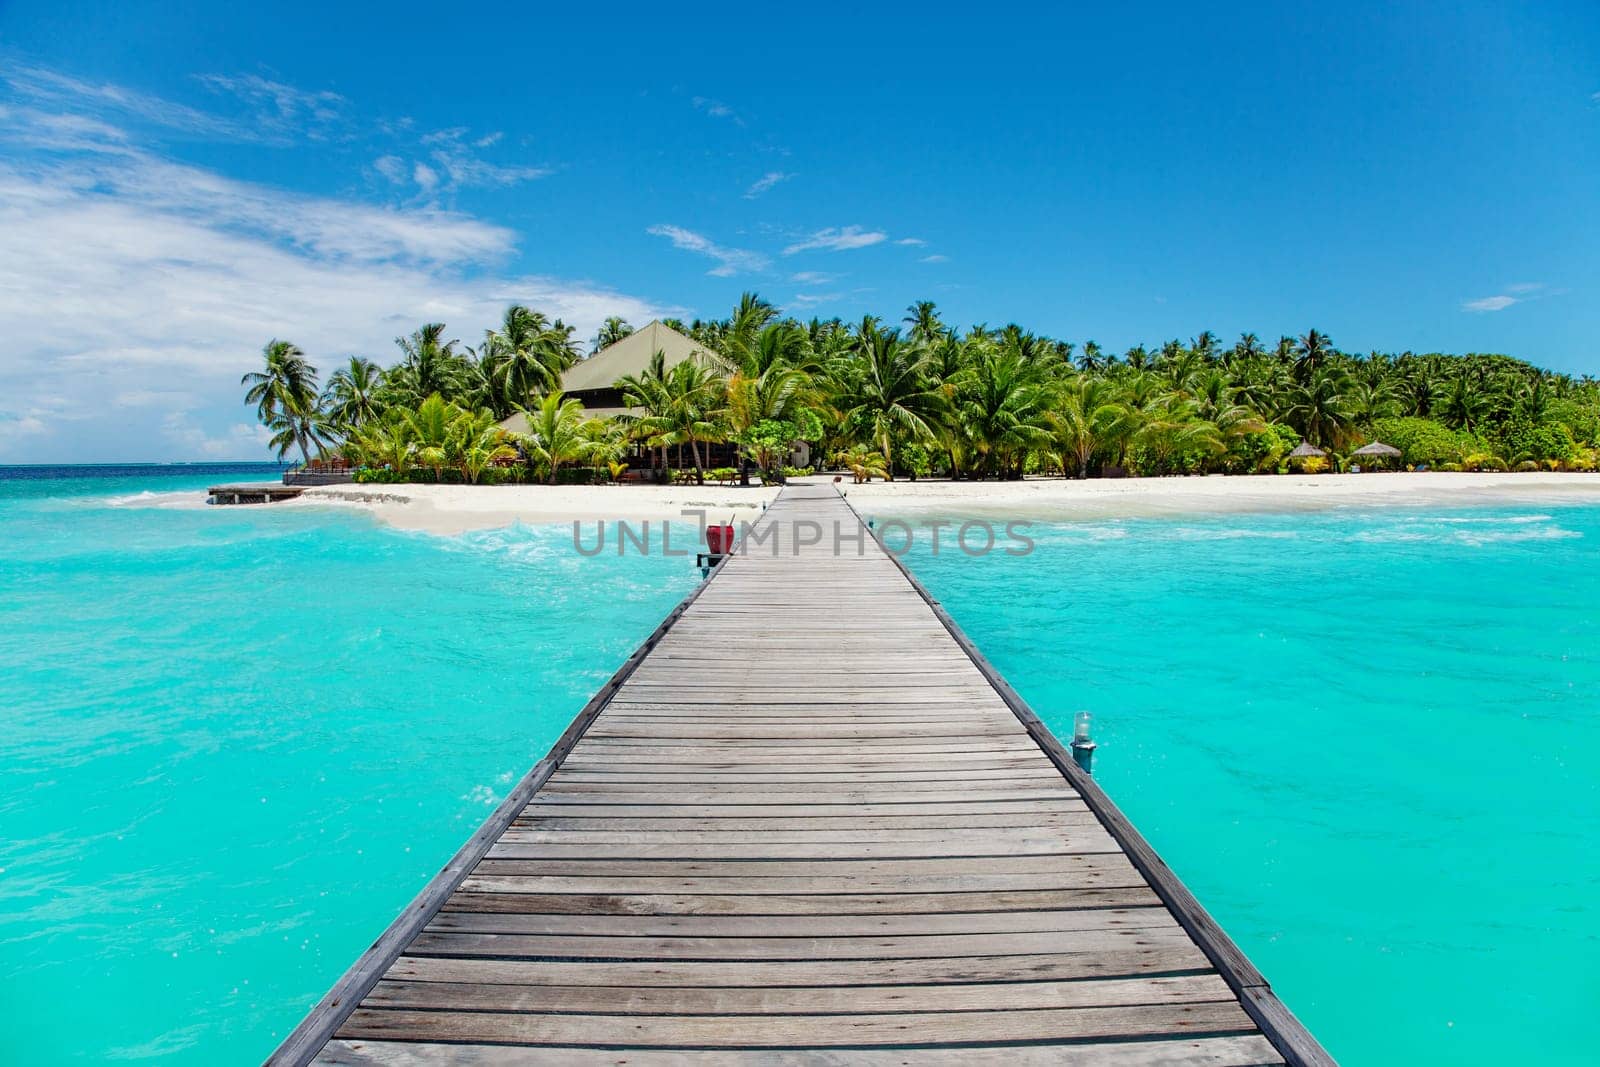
(1082, 745)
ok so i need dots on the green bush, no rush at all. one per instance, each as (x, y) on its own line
(1425, 441)
(379, 476)
(1582, 420)
(1546, 439)
(581, 476)
(1448, 467)
(797, 472)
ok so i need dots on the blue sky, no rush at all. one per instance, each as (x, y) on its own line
(178, 183)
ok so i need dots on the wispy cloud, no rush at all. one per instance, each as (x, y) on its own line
(1513, 294)
(765, 182)
(810, 300)
(453, 163)
(935, 258)
(455, 155)
(717, 109)
(915, 241)
(119, 266)
(814, 277)
(730, 261)
(837, 240)
(107, 100)
(279, 108)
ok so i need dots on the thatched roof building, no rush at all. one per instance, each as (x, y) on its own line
(1306, 450)
(594, 380)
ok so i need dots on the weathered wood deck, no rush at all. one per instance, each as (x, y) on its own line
(805, 823)
(253, 493)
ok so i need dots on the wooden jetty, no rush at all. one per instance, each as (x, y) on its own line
(253, 493)
(805, 823)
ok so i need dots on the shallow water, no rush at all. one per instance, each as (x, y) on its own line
(1366, 740)
(236, 741)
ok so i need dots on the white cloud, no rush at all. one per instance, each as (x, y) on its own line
(281, 109)
(241, 440)
(814, 277)
(730, 261)
(716, 109)
(837, 240)
(56, 131)
(65, 91)
(935, 258)
(809, 300)
(1514, 294)
(391, 167)
(915, 241)
(136, 290)
(425, 177)
(456, 157)
(765, 182)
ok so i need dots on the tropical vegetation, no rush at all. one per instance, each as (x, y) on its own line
(914, 399)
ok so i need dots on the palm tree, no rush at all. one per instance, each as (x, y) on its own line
(430, 364)
(1313, 351)
(557, 434)
(686, 405)
(922, 320)
(648, 391)
(611, 331)
(299, 422)
(1320, 409)
(431, 428)
(352, 393)
(385, 443)
(1085, 418)
(1000, 406)
(527, 355)
(479, 443)
(287, 379)
(891, 396)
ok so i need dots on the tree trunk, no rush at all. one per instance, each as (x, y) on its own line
(699, 468)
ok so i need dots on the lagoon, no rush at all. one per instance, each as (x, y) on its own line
(238, 740)
(1366, 739)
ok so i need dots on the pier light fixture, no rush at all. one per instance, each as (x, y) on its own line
(1082, 743)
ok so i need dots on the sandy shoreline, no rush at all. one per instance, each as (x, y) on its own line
(452, 509)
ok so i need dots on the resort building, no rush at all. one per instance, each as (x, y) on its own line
(593, 381)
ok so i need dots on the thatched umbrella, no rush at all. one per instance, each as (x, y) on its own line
(1378, 448)
(1303, 453)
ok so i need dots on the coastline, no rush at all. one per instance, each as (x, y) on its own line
(455, 509)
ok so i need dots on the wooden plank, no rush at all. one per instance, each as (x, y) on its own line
(797, 1000)
(1028, 967)
(1230, 1051)
(514, 844)
(898, 1030)
(701, 925)
(807, 819)
(546, 900)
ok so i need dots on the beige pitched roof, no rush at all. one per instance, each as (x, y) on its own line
(631, 355)
(517, 421)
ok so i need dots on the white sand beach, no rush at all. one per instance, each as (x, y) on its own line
(451, 509)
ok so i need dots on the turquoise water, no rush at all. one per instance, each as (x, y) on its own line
(1367, 741)
(235, 742)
